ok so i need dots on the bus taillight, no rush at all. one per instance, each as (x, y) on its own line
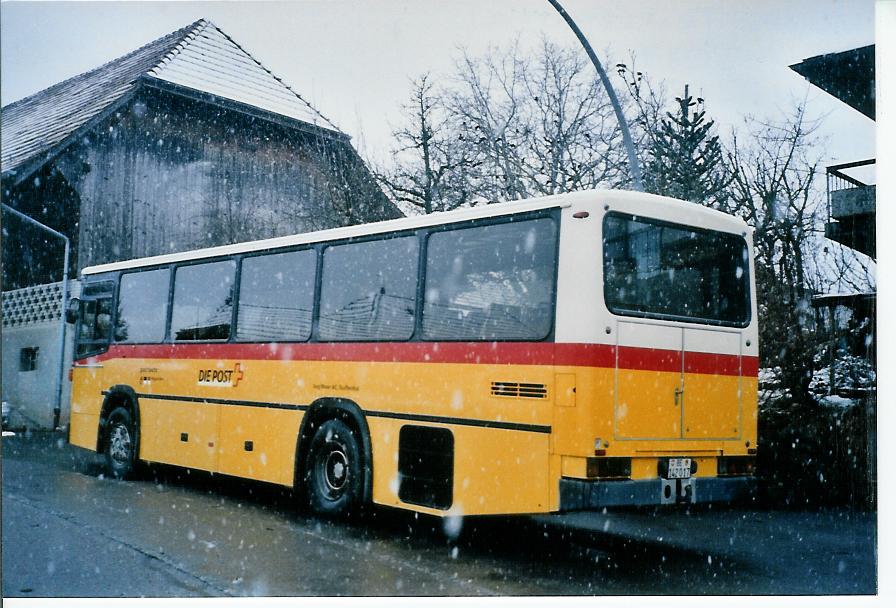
(609, 468)
(732, 466)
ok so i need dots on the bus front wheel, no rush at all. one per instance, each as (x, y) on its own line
(333, 476)
(120, 445)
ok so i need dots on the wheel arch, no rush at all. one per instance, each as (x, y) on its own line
(120, 395)
(346, 410)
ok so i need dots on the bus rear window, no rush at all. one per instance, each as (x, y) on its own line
(662, 270)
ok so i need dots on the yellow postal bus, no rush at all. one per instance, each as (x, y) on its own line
(570, 352)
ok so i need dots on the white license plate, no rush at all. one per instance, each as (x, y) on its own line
(679, 468)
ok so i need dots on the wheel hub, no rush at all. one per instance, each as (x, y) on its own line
(336, 470)
(119, 443)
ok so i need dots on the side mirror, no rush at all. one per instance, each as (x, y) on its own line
(71, 312)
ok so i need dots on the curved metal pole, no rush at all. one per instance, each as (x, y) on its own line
(633, 165)
(57, 409)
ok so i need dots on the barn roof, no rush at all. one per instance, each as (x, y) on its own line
(198, 61)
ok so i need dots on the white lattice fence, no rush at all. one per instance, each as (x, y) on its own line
(32, 305)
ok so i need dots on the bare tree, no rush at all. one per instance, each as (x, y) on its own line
(506, 128)
(536, 126)
(772, 190)
(647, 104)
(634, 165)
(428, 172)
(487, 103)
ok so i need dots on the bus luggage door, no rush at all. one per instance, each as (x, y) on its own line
(648, 402)
(712, 384)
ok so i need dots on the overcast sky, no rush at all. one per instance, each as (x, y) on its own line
(353, 60)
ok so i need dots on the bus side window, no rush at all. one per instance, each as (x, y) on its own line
(96, 326)
(492, 282)
(88, 320)
(203, 300)
(369, 290)
(103, 319)
(142, 306)
(276, 296)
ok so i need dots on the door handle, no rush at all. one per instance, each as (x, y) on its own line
(678, 393)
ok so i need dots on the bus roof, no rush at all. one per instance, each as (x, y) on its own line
(412, 223)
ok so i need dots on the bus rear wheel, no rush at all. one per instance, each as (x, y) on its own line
(334, 474)
(120, 445)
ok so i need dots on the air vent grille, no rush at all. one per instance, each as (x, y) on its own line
(520, 389)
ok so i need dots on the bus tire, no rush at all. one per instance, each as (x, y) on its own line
(334, 473)
(120, 444)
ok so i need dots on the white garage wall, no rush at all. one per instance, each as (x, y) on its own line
(31, 319)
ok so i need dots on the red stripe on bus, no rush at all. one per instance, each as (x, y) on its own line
(585, 355)
(749, 366)
(494, 353)
(489, 353)
(711, 363)
(653, 359)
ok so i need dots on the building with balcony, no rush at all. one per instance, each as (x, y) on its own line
(851, 194)
(848, 321)
(848, 76)
(851, 208)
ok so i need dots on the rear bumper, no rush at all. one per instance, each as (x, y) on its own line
(578, 494)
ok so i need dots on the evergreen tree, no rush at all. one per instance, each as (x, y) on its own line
(684, 156)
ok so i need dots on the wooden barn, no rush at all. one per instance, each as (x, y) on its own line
(186, 142)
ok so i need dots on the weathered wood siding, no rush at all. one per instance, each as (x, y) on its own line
(31, 255)
(167, 174)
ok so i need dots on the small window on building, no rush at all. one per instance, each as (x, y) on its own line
(28, 359)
